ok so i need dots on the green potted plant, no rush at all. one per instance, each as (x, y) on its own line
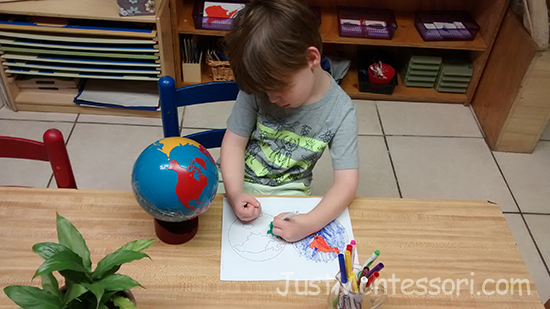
(84, 288)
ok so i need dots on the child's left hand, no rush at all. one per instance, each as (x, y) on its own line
(293, 229)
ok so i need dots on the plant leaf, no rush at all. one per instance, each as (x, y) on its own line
(123, 303)
(116, 258)
(75, 276)
(74, 291)
(47, 249)
(49, 283)
(106, 297)
(61, 261)
(118, 282)
(137, 245)
(97, 289)
(112, 271)
(71, 238)
(30, 297)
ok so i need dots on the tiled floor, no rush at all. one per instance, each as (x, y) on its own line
(410, 150)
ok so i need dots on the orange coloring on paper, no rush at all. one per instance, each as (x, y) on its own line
(320, 245)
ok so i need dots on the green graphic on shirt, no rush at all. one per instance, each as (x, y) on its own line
(291, 137)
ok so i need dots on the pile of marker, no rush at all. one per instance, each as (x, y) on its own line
(355, 283)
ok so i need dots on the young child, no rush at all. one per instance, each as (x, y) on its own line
(287, 112)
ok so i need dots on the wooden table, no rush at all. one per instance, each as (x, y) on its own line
(418, 239)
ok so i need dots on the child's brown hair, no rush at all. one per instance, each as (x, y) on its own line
(268, 41)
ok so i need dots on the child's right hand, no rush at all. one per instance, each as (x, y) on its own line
(246, 207)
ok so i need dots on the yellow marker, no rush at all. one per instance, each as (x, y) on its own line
(349, 269)
(353, 281)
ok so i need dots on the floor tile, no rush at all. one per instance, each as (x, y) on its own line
(367, 118)
(19, 172)
(546, 134)
(530, 255)
(448, 168)
(211, 115)
(427, 119)
(103, 155)
(540, 227)
(111, 119)
(376, 176)
(528, 177)
(6, 113)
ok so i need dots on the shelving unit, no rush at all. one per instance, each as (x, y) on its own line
(55, 11)
(487, 13)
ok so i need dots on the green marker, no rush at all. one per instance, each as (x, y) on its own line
(371, 259)
(270, 231)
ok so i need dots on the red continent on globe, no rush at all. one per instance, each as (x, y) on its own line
(188, 188)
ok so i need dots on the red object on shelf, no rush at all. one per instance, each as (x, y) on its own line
(387, 70)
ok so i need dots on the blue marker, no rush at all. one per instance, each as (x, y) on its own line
(375, 268)
(343, 272)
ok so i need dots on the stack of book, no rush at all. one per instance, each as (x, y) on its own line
(454, 76)
(421, 71)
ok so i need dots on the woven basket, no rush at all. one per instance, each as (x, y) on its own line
(219, 70)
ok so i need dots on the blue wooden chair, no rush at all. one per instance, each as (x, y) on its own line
(171, 98)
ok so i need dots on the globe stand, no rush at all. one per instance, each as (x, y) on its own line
(175, 233)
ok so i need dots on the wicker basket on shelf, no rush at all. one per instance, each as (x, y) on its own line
(219, 70)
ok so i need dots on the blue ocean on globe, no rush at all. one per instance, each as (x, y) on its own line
(175, 179)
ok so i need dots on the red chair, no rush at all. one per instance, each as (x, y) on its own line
(52, 149)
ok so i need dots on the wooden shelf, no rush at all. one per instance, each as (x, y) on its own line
(350, 84)
(62, 101)
(406, 34)
(86, 9)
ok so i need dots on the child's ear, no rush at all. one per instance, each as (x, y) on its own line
(313, 57)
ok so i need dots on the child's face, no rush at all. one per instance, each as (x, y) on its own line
(297, 93)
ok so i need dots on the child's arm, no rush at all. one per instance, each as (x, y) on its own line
(338, 197)
(245, 206)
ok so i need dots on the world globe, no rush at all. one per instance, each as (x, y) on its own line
(175, 179)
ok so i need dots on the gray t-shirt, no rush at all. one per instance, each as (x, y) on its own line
(284, 144)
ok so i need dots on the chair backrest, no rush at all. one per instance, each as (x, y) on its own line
(52, 149)
(171, 98)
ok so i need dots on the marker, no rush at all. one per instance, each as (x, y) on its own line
(343, 272)
(289, 215)
(353, 281)
(372, 278)
(363, 274)
(347, 255)
(353, 251)
(363, 285)
(372, 258)
(350, 249)
(376, 268)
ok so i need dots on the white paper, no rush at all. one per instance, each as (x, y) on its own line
(123, 93)
(354, 22)
(440, 25)
(248, 253)
(429, 26)
(374, 23)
